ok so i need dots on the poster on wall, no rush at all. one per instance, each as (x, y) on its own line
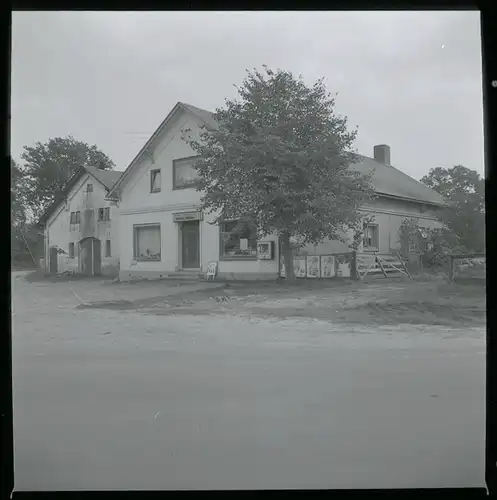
(299, 267)
(343, 266)
(313, 268)
(327, 266)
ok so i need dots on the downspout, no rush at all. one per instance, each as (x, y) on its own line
(93, 257)
(47, 250)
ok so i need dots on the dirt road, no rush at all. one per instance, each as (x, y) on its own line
(130, 399)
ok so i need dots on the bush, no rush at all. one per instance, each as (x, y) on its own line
(433, 245)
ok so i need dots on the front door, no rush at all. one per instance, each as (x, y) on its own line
(190, 245)
(85, 255)
(90, 256)
(52, 260)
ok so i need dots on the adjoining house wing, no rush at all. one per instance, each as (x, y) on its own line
(106, 177)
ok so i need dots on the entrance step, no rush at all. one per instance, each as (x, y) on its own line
(185, 275)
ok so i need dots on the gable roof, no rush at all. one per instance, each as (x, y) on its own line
(206, 116)
(105, 177)
(392, 182)
(386, 179)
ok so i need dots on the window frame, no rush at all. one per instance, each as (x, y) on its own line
(153, 173)
(223, 257)
(376, 236)
(186, 186)
(136, 228)
(72, 246)
(108, 248)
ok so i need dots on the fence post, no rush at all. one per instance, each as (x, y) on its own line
(353, 265)
(451, 268)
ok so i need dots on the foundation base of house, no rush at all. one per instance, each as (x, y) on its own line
(193, 276)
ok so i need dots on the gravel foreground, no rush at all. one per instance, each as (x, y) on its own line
(136, 398)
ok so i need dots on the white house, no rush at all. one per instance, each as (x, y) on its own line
(81, 227)
(162, 231)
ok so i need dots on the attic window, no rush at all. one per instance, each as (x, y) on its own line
(89, 188)
(155, 181)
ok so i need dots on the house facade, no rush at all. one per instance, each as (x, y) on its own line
(81, 228)
(162, 231)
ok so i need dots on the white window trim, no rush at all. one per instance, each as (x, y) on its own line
(136, 228)
(373, 248)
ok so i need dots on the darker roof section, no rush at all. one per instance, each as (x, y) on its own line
(106, 177)
(390, 181)
(387, 180)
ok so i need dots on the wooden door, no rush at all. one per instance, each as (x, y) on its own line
(97, 257)
(190, 245)
(53, 254)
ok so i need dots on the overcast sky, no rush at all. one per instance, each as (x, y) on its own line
(408, 79)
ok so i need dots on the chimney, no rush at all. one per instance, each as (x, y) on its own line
(382, 153)
(101, 166)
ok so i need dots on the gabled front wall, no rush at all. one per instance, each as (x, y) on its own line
(59, 232)
(140, 206)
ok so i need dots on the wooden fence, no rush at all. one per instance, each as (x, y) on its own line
(380, 264)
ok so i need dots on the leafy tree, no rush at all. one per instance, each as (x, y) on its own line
(26, 240)
(17, 208)
(279, 158)
(466, 190)
(48, 166)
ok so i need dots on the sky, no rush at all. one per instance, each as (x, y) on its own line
(411, 80)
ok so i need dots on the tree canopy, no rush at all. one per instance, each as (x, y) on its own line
(280, 158)
(48, 166)
(465, 188)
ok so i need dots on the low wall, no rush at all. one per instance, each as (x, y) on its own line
(468, 267)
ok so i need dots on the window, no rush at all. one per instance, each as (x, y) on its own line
(89, 188)
(185, 174)
(107, 248)
(238, 240)
(155, 181)
(147, 242)
(75, 218)
(370, 241)
(104, 214)
(71, 250)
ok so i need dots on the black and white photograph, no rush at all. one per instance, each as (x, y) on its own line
(247, 250)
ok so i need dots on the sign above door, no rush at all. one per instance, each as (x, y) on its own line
(187, 216)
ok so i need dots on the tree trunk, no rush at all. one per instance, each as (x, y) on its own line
(287, 257)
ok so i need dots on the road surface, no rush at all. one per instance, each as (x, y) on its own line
(108, 399)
